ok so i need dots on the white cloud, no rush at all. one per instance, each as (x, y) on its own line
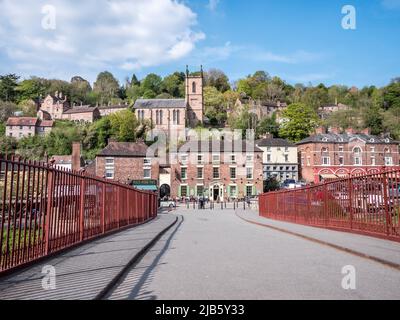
(212, 5)
(218, 53)
(97, 34)
(294, 58)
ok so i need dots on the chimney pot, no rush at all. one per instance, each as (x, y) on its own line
(76, 156)
(320, 130)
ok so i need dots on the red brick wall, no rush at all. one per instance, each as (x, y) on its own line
(126, 168)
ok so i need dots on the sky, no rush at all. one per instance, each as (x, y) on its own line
(299, 41)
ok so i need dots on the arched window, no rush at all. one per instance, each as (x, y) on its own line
(178, 117)
(194, 87)
(357, 156)
(174, 117)
(160, 117)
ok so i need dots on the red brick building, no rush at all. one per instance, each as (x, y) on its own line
(217, 170)
(126, 161)
(334, 154)
(20, 127)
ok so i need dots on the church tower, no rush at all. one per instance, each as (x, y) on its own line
(194, 98)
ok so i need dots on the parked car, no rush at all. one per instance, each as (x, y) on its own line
(167, 204)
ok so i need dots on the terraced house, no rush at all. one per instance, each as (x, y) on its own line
(20, 127)
(334, 154)
(219, 170)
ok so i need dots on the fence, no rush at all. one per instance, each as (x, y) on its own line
(44, 210)
(366, 204)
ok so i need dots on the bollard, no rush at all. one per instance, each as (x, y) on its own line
(222, 205)
(244, 205)
(225, 204)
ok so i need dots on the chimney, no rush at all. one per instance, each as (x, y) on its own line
(366, 131)
(76, 156)
(334, 130)
(320, 130)
(350, 131)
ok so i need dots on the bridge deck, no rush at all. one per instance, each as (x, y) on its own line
(84, 272)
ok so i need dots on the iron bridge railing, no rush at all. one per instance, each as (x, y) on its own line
(44, 210)
(367, 204)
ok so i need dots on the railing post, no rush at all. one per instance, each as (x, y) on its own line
(350, 196)
(49, 208)
(103, 208)
(386, 199)
(325, 188)
(82, 208)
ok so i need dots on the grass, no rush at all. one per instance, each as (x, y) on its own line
(35, 237)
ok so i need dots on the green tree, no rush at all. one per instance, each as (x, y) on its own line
(134, 92)
(217, 79)
(373, 119)
(8, 86)
(79, 90)
(215, 109)
(153, 83)
(268, 125)
(32, 89)
(299, 121)
(6, 110)
(391, 95)
(124, 126)
(106, 86)
(173, 84)
(8, 145)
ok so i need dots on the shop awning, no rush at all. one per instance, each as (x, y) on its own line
(146, 187)
(333, 176)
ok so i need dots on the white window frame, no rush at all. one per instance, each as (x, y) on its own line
(326, 163)
(249, 176)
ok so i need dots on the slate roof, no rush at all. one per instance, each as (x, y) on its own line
(114, 107)
(80, 109)
(46, 123)
(346, 138)
(159, 103)
(124, 149)
(62, 159)
(22, 121)
(274, 142)
(217, 146)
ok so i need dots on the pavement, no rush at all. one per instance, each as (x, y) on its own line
(84, 273)
(214, 254)
(375, 248)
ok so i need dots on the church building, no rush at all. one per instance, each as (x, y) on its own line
(173, 116)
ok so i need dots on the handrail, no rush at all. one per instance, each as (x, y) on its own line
(44, 209)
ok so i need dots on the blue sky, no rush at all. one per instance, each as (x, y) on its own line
(300, 41)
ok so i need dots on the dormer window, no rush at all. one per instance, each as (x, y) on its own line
(372, 140)
(325, 139)
(387, 140)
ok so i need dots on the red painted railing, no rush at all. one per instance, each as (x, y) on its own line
(366, 204)
(44, 210)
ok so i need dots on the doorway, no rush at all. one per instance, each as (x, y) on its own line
(215, 193)
(165, 191)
